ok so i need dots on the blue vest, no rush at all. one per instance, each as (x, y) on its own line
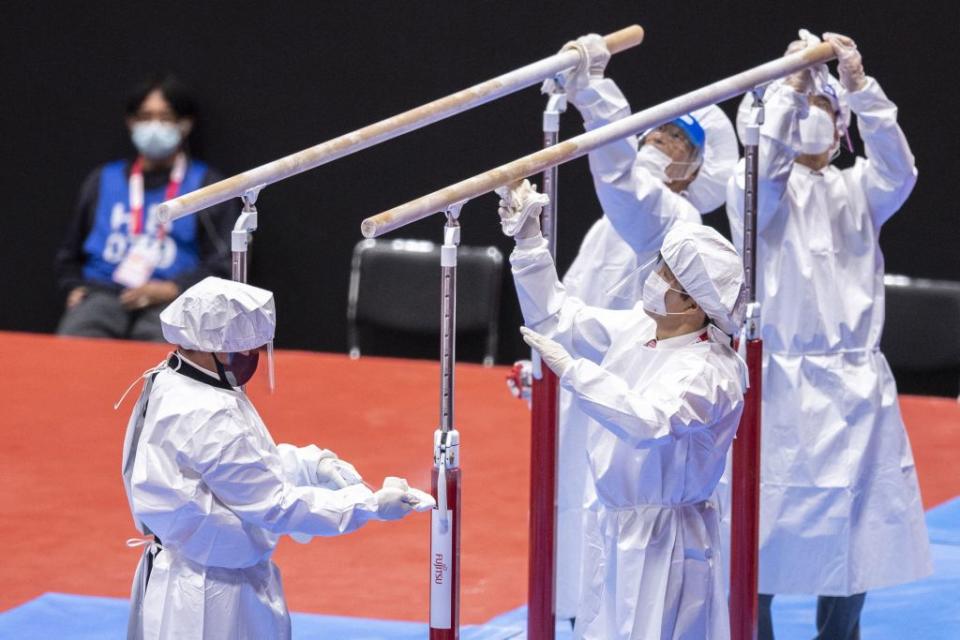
(110, 236)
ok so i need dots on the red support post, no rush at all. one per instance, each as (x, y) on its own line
(541, 585)
(541, 620)
(745, 515)
(445, 562)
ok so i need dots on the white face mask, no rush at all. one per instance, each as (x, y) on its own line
(816, 132)
(655, 296)
(651, 158)
(662, 166)
(155, 139)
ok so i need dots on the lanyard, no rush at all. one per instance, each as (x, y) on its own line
(136, 192)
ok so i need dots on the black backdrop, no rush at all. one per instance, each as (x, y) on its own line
(276, 77)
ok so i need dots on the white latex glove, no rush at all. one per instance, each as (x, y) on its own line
(849, 61)
(396, 499)
(335, 473)
(520, 208)
(594, 57)
(419, 500)
(551, 351)
(801, 81)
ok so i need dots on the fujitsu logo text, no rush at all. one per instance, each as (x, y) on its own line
(439, 568)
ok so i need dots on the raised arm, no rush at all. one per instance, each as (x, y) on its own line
(638, 204)
(888, 174)
(779, 146)
(584, 331)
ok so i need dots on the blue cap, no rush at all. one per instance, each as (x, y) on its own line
(692, 128)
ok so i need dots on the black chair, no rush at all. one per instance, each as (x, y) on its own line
(394, 300)
(921, 336)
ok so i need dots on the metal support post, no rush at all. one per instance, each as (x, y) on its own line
(445, 519)
(745, 483)
(240, 236)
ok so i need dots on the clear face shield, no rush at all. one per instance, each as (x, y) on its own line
(645, 284)
(661, 146)
(628, 289)
(239, 367)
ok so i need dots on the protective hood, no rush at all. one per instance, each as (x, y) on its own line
(710, 270)
(824, 84)
(709, 189)
(217, 315)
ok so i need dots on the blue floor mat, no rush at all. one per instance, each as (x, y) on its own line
(928, 609)
(69, 617)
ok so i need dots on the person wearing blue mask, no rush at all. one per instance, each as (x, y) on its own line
(118, 265)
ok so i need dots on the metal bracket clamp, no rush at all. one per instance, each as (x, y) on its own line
(752, 131)
(556, 104)
(246, 221)
(451, 235)
(240, 236)
(758, 93)
(453, 211)
(446, 448)
(446, 455)
(245, 225)
(249, 196)
(751, 323)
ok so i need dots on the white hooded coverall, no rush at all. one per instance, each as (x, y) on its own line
(642, 208)
(203, 474)
(662, 420)
(840, 509)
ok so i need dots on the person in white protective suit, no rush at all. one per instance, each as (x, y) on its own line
(673, 173)
(840, 510)
(205, 479)
(664, 390)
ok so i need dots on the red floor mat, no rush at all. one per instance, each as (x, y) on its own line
(64, 517)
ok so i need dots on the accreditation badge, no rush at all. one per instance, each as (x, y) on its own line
(138, 265)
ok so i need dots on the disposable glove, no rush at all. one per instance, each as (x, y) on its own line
(594, 57)
(520, 208)
(849, 61)
(801, 81)
(551, 351)
(336, 473)
(396, 499)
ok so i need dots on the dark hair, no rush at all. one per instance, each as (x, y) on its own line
(179, 95)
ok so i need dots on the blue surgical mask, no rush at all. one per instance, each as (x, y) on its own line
(155, 139)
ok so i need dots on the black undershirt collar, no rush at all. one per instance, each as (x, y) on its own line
(190, 371)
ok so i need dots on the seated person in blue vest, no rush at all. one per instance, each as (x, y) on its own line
(118, 266)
